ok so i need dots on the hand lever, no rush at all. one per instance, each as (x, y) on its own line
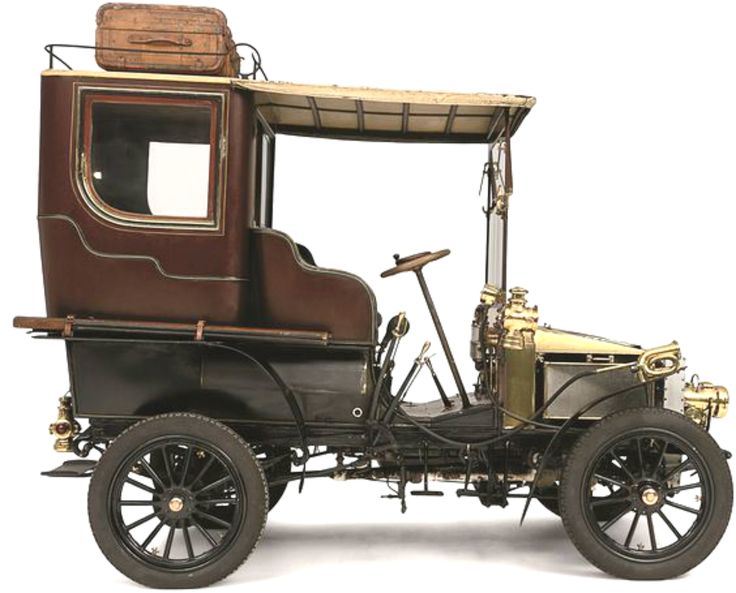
(443, 396)
(404, 389)
(394, 334)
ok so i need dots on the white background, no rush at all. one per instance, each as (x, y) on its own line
(621, 226)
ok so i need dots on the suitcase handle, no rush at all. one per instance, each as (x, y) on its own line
(145, 40)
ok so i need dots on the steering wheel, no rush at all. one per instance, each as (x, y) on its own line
(411, 263)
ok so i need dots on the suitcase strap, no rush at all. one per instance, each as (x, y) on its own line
(159, 40)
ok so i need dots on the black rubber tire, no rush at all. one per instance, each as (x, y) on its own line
(204, 429)
(595, 441)
(274, 495)
(276, 492)
(553, 504)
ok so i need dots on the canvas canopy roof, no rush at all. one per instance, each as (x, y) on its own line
(367, 113)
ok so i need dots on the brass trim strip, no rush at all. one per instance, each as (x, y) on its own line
(550, 340)
(131, 256)
(98, 205)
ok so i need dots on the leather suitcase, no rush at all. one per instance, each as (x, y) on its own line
(163, 38)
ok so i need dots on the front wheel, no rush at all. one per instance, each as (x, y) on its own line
(178, 500)
(670, 485)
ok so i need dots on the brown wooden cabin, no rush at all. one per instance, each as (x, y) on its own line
(109, 253)
(155, 203)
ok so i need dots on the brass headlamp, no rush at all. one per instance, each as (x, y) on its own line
(703, 400)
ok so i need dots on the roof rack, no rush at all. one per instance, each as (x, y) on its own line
(252, 74)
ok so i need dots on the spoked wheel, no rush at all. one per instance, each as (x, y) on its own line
(665, 487)
(178, 500)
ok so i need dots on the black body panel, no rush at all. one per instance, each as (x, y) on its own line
(137, 378)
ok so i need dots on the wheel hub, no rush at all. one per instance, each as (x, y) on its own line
(649, 496)
(176, 504)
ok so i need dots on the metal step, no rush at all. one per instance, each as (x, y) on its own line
(74, 468)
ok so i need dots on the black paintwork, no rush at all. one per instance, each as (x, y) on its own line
(297, 394)
(137, 378)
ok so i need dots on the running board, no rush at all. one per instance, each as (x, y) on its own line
(74, 468)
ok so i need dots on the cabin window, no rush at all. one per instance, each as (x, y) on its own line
(152, 159)
(265, 153)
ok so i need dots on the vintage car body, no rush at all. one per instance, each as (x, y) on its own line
(204, 339)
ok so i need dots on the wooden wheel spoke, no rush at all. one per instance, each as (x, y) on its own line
(660, 458)
(137, 484)
(151, 535)
(611, 481)
(206, 534)
(167, 465)
(632, 529)
(640, 455)
(169, 541)
(616, 519)
(185, 467)
(215, 484)
(152, 474)
(677, 489)
(220, 501)
(188, 542)
(202, 471)
(609, 500)
(622, 465)
(682, 507)
(652, 536)
(679, 469)
(140, 521)
(669, 524)
(213, 519)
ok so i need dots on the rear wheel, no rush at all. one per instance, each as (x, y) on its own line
(178, 500)
(667, 484)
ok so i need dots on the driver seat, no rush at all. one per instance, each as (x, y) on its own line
(291, 292)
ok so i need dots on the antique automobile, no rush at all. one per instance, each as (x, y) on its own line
(211, 358)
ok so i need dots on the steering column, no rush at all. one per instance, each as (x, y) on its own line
(415, 263)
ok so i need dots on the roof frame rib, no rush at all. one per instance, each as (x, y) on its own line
(376, 114)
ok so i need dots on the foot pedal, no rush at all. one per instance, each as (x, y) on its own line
(427, 493)
(74, 468)
(468, 492)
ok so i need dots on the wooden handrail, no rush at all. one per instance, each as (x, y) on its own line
(70, 324)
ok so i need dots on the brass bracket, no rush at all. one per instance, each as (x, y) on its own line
(68, 330)
(199, 331)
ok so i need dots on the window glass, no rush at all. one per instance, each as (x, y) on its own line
(264, 187)
(152, 159)
(178, 179)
